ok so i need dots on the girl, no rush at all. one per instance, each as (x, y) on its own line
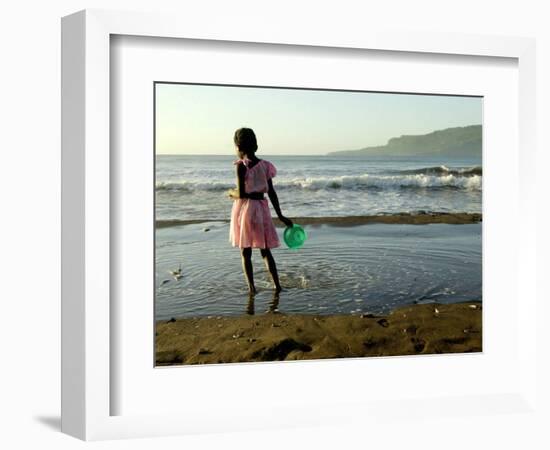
(251, 225)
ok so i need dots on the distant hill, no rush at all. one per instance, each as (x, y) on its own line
(459, 141)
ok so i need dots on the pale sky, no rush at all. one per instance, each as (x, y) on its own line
(194, 119)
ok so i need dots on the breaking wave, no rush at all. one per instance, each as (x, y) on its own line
(438, 178)
(444, 170)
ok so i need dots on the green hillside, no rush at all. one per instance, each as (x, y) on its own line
(459, 142)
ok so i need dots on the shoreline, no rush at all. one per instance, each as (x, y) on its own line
(397, 218)
(408, 330)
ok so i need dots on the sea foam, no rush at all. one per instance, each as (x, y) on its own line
(358, 182)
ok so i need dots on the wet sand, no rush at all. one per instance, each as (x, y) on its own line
(402, 218)
(410, 330)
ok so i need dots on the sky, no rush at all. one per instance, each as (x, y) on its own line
(201, 120)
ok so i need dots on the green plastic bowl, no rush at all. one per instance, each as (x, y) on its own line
(295, 236)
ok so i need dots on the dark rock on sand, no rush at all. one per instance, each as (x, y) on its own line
(280, 350)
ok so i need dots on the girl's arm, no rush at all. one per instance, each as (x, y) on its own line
(275, 202)
(241, 170)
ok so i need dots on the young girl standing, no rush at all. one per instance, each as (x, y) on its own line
(251, 225)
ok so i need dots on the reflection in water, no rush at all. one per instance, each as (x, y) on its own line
(250, 304)
(273, 304)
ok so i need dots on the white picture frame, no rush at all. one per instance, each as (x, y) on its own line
(86, 223)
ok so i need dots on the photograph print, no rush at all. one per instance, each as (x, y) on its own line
(306, 224)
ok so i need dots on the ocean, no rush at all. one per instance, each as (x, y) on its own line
(340, 270)
(193, 187)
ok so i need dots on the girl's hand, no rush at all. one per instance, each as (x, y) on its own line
(286, 221)
(232, 193)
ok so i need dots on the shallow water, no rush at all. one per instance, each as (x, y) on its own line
(340, 270)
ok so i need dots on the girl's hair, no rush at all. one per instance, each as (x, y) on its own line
(245, 139)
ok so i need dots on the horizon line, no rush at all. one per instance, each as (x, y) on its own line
(216, 154)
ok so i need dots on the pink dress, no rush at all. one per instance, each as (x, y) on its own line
(251, 224)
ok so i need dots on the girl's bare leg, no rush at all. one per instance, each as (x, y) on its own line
(246, 254)
(271, 267)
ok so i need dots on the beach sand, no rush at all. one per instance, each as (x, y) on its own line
(410, 330)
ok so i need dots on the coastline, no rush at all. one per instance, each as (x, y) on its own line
(408, 330)
(398, 218)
